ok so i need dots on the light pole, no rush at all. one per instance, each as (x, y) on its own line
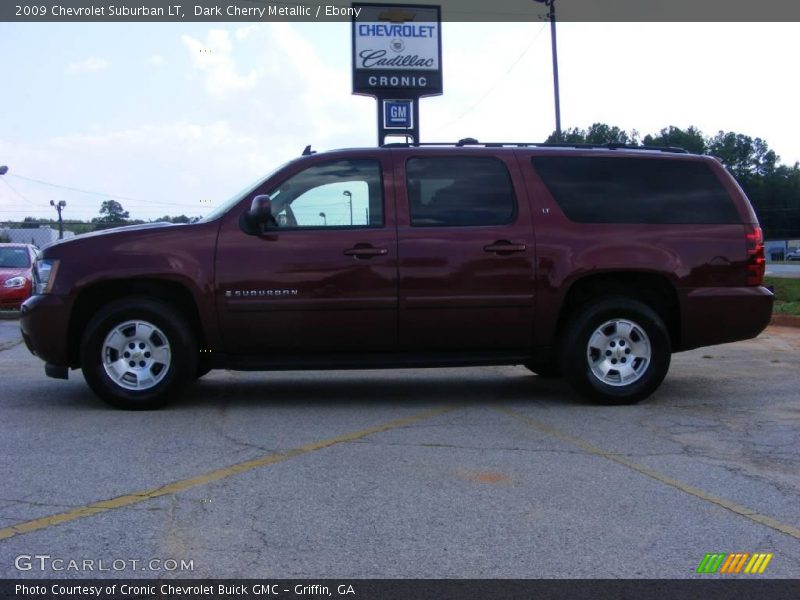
(551, 4)
(324, 218)
(350, 200)
(59, 207)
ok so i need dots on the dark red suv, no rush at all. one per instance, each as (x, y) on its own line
(592, 263)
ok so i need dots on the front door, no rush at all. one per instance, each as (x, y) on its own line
(324, 278)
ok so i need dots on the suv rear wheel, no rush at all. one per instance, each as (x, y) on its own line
(616, 351)
(138, 353)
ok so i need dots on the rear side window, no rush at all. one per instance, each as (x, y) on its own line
(459, 191)
(636, 190)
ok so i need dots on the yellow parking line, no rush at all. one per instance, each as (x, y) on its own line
(216, 475)
(679, 485)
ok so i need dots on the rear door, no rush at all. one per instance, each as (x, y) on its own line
(466, 252)
(324, 280)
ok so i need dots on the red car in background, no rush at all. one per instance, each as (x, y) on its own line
(16, 274)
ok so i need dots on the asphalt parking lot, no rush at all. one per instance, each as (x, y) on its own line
(463, 473)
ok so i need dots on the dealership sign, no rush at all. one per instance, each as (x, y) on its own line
(397, 49)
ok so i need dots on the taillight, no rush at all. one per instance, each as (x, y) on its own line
(756, 261)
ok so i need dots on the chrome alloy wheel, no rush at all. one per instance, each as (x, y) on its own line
(136, 355)
(619, 352)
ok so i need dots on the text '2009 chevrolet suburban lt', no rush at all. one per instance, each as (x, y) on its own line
(592, 263)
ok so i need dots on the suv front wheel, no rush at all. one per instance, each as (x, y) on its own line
(616, 350)
(138, 353)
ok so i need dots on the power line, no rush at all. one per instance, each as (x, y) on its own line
(494, 86)
(13, 189)
(109, 196)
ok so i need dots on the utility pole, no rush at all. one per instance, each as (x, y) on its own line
(59, 207)
(350, 200)
(551, 4)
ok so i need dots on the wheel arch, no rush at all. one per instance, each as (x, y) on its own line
(93, 297)
(654, 289)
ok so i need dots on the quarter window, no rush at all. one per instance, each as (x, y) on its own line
(636, 190)
(459, 191)
(342, 193)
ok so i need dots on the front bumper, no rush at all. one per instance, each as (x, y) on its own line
(44, 323)
(718, 315)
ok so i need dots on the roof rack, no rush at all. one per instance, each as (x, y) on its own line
(473, 142)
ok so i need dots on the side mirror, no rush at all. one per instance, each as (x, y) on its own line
(259, 217)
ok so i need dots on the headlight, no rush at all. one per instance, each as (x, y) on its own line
(14, 282)
(45, 276)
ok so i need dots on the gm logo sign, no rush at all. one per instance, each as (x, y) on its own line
(398, 114)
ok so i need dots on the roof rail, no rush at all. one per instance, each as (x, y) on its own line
(473, 142)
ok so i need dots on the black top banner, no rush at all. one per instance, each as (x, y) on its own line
(477, 11)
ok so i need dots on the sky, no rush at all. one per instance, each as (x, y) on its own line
(174, 118)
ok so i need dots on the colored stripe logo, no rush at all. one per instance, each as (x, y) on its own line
(736, 562)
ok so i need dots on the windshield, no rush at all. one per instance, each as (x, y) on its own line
(237, 197)
(14, 258)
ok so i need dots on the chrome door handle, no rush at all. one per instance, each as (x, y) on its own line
(504, 247)
(365, 251)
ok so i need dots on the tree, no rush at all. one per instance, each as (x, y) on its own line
(691, 139)
(35, 222)
(111, 211)
(743, 155)
(597, 133)
(178, 219)
(4, 239)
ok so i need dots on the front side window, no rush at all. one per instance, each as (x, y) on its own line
(341, 193)
(459, 191)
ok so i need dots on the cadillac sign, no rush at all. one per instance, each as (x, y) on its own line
(397, 49)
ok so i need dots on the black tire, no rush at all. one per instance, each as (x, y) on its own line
(182, 366)
(546, 369)
(577, 365)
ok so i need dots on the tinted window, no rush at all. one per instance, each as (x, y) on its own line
(445, 191)
(635, 190)
(342, 193)
(14, 258)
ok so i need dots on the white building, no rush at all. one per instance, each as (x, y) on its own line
(39, 237)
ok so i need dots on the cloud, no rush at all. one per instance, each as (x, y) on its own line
(213, 58)
(259, 96)
(88, 65)
(155, 60)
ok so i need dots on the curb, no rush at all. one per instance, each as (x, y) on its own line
(781, 320)
(8, 315)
